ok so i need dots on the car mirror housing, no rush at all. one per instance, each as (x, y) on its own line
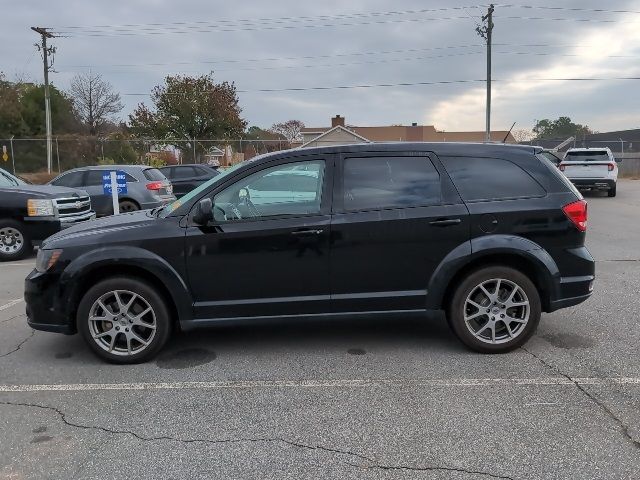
(203, 212)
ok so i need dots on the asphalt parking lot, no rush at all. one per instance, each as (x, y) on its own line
(386, 399)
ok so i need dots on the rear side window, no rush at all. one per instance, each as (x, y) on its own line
(390, 182)
(153, 174)
(183, 172)
(482, 179)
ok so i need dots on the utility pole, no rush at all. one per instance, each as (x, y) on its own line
(485, 32)
(46, 51)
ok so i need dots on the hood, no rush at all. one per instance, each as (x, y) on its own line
(46, 191)
(88, 229)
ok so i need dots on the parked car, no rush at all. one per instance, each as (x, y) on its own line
(591, 168)
(147, 187)
(31, 213)
(185, 178)
(491, 234)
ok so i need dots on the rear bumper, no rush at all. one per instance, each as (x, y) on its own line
(596, 183)
(44, 306)
(573, 289)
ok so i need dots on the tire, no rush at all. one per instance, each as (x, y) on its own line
(612, 191)
(127, 206)
(15, 243)
(120, 338)
(492, 333)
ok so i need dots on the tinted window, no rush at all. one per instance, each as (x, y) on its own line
(94, 178)
(183, 172)
(490, 179)
(388, 182)
(597, 156)
(73, 179)
(154, 174)
(279, 190)
(209, 172)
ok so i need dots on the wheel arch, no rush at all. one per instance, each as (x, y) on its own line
(505, 250)
(90, 268)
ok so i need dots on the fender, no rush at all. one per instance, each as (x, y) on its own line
(492, 245)
(71, 278)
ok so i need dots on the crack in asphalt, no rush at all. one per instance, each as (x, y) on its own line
(19, 346)
(14, 317)
(370, 462)
(623, 427)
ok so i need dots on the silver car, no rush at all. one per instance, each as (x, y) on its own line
(147, 187)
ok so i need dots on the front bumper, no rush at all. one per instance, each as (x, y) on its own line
(40, 228)
(44, 304)
(594, 183)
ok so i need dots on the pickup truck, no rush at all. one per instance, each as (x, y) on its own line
(31, 213)
(591, 168)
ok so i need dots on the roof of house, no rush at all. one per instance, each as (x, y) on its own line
(335, 129)
(416, 133)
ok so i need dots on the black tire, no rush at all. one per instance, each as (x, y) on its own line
(15, 242)
(146, 293)
(612, 191)
(127, 206)
(470, 284)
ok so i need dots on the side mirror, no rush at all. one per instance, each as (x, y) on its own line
(203, 212)
(618, 160)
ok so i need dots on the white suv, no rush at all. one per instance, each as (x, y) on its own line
(593, 168)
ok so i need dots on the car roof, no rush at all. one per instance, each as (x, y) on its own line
(187, 165)
(587, 149)
(111, 167)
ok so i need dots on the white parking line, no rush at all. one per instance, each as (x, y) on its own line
(244, 384)
(10, 304)
(18, 264)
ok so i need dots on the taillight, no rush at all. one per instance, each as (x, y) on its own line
(155, 185)
(561, 167)
(611, 166)
(577, 213)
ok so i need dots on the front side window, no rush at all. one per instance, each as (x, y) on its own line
(390, 182)
(275, 191)
(73, 179)
(486, 179)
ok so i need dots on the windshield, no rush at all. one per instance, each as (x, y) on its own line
(587, 157)
(168, 209)
(8, 180)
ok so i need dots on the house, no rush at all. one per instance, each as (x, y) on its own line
(339, 134)
(213, 156)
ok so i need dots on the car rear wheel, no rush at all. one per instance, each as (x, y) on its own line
(612, 191)
(127, 206)
(124, 320)
(14, 241)
(495, 310)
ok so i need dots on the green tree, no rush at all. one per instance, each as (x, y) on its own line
(563, 127)
(190, 107)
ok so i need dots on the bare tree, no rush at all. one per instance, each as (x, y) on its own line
(291, 130)
(94, 100)
(523, 135)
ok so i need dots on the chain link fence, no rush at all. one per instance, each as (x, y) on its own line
(28, 156)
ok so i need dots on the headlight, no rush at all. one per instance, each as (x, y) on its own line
(47, 259)
(40, 208)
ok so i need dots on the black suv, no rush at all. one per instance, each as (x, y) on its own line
(491, 234)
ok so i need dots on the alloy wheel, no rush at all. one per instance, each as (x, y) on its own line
(496, 311)
(122, 322)
(11, 240)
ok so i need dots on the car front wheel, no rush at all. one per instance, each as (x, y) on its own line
(495, 310)
(124, 320)
(14, 241)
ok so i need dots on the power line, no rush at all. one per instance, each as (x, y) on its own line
(568, 9)
(413, 84)
(342, 55)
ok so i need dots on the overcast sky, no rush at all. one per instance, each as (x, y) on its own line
(259, 45)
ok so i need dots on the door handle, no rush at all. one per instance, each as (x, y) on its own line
(302, 233)
(445, 222)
